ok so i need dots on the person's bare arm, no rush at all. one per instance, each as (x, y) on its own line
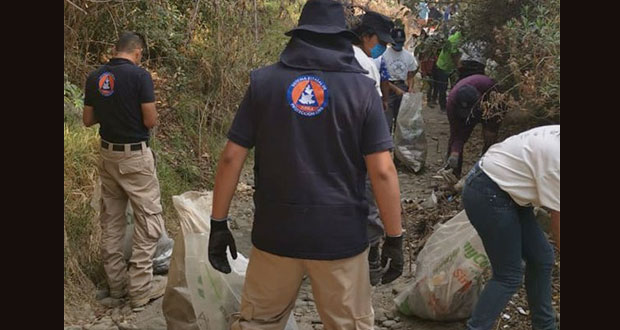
(555, 227)
(396, 89)
(149, 114)
(226, 178)
(385, 90)
(384, 180)
(88, 116)
(411, 80)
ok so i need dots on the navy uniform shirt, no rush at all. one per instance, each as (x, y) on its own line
(312, 117)
(116, 92)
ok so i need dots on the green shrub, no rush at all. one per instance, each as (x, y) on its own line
(200, 62)
(524, 40)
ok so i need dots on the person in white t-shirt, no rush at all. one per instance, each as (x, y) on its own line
(500, 192)
(373, 35)
(402, 67)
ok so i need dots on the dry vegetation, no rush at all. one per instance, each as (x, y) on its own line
(200, 54)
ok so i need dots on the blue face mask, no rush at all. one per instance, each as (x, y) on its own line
(377, 50)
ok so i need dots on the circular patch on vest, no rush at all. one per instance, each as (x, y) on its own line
(105, 84)
(307, 95)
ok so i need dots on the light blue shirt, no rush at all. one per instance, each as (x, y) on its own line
(423, 13)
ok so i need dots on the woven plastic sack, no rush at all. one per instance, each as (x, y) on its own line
(197, 295)
(409, 137)
(448, 278)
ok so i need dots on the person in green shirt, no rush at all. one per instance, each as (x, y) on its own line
(446, 63)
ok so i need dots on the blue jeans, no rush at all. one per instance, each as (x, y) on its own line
(510, 234)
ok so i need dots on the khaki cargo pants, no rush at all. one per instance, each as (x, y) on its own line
(129, 176)
(341, 290)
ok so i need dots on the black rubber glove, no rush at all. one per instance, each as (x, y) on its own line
(393, 251)
(453, 162)
(219, 239)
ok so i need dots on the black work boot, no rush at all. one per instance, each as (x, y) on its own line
(374, 264)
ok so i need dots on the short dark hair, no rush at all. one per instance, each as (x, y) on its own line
(128, 41)
(362, 30)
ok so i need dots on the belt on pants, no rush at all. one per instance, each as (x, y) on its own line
(121, 147)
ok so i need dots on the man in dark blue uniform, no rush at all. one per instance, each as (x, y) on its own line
(119, 96)
(318, 126)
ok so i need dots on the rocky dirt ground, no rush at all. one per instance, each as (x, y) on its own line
(109, 314)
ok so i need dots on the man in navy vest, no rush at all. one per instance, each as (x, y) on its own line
(318, 127)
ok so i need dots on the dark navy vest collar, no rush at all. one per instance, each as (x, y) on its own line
(327, 54)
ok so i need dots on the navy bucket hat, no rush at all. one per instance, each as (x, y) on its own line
(323, 17)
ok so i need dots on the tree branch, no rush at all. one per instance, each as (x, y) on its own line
(190, 28)
(78, 7)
